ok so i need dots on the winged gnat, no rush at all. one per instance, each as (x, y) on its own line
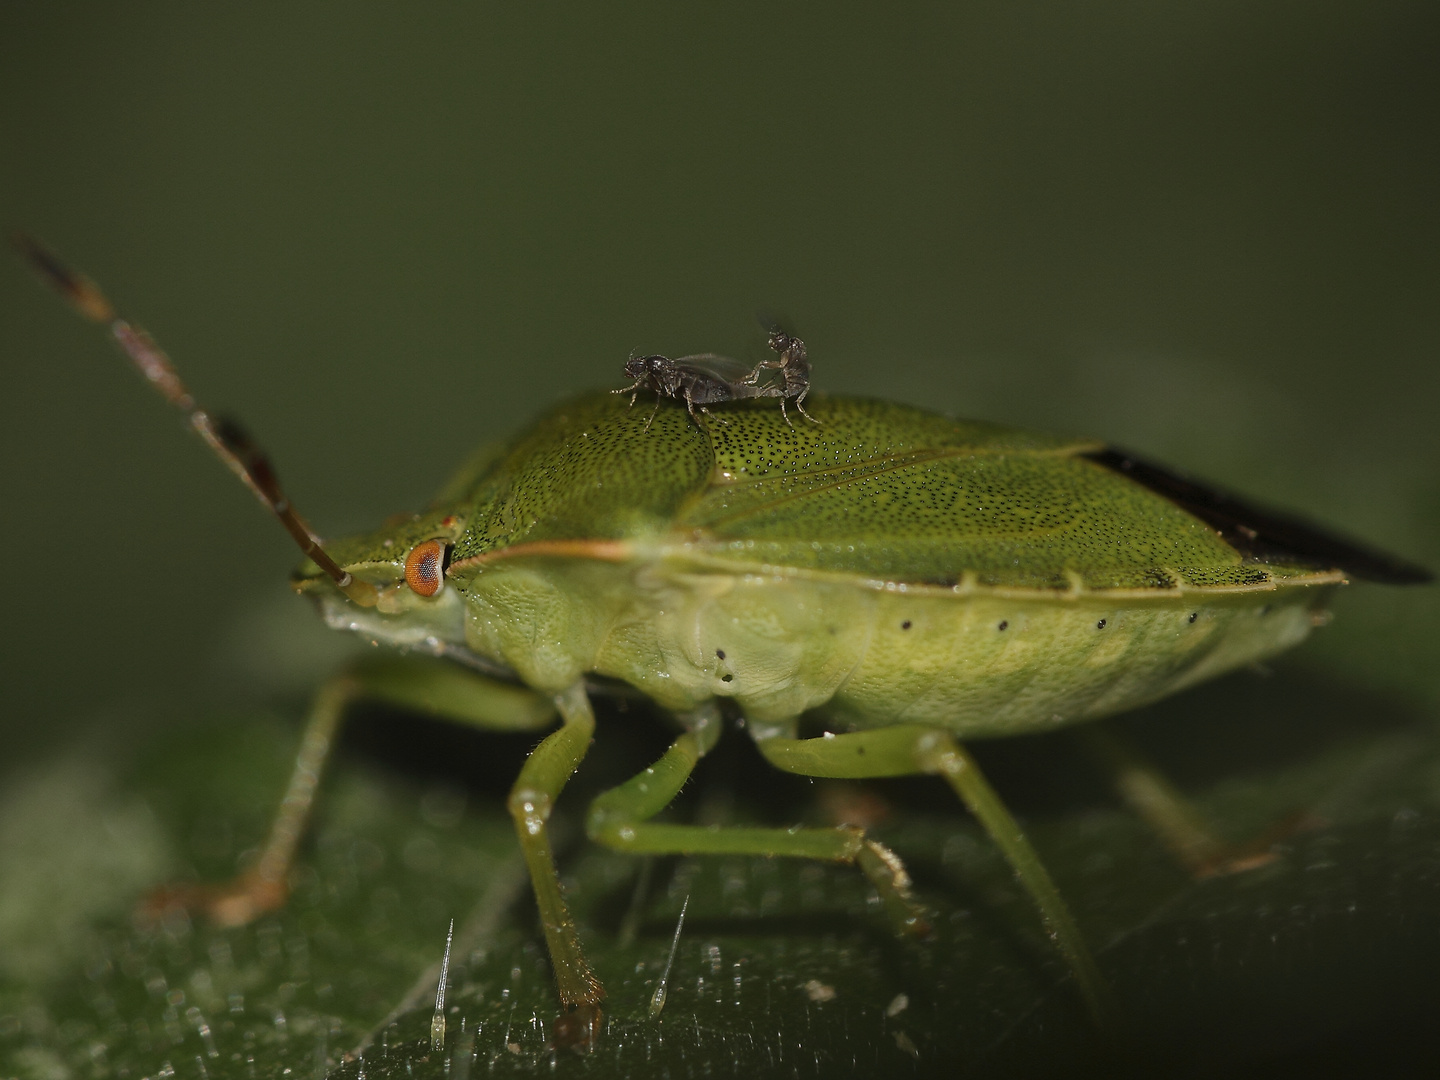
(698, 379)
(793, 363)
(1261, 533)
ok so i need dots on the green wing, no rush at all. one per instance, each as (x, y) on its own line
(897, 493)
(877, 489)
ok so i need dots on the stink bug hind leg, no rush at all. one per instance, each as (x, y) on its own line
(1178, 824)
(911, 749)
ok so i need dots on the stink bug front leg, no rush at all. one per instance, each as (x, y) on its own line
(466, 697)
(420, 683)
(264, 886)
(541, 779)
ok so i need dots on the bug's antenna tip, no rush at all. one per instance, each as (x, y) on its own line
(225, 438)
(82, 293)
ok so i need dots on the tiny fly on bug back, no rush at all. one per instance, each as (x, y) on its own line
(708, 378)
(793, 363)
(699, 379)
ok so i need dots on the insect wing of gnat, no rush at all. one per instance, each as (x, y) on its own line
(718, 378)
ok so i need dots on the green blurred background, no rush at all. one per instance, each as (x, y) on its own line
(1210, 232)
(382, 234)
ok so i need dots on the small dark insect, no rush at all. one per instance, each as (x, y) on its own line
(709, 378)
(794, 368)
(699, 379)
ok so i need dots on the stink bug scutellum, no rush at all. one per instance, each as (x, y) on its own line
(914, 580)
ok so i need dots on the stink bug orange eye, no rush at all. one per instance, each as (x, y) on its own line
(425, 567)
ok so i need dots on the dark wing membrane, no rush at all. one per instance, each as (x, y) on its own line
(1260, 533)
(710, 378)
(724, 368)
(1013, 520)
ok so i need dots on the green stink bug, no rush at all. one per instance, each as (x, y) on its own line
(906, 579)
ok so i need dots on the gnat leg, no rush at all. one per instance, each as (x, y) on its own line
(785, 414)
(633, 390)
(800, 404)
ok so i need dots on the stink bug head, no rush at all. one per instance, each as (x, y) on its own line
(404, 563)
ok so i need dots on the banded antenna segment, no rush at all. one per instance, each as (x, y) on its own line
(225, 437)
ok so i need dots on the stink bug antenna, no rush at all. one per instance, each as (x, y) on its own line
(225, 437)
